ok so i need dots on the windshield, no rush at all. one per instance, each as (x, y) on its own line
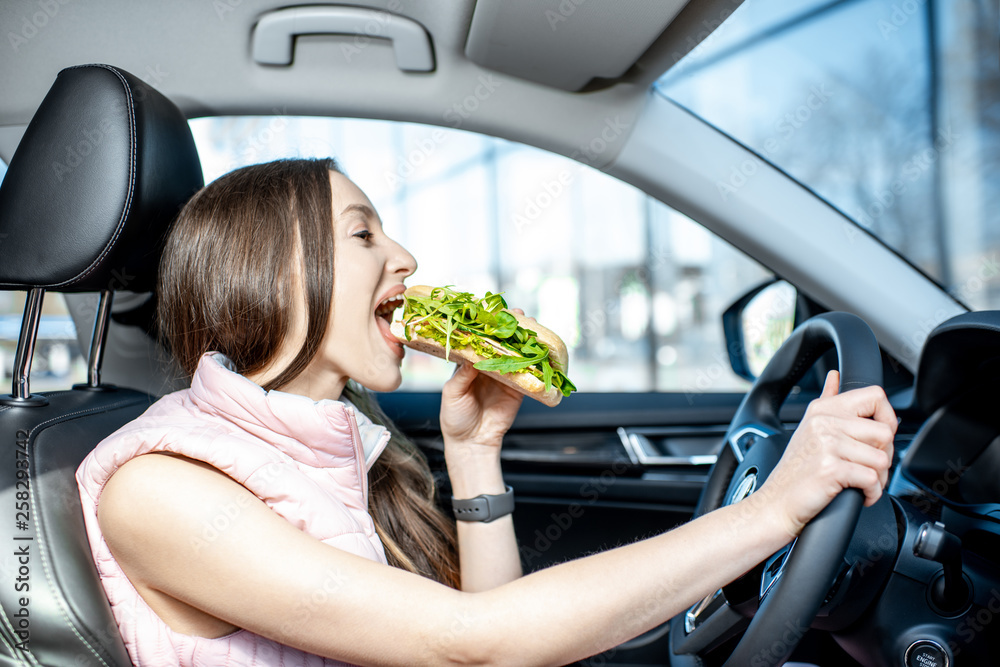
(889, 109)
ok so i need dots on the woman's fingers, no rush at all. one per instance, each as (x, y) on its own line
(854, 439)
(845, 440)
(858, 453)
(464, 376)
(866, 402)
(521, 313)
(866, 479)
(872, 402)
(875, 434)
(831, 387)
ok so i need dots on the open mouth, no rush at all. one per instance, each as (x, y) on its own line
(388, 307)
(383, 318)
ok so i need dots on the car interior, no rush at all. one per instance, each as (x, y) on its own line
(101, 156)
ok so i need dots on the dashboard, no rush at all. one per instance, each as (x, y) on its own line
(940, 601)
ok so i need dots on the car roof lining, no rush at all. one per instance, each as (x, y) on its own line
(200, 57)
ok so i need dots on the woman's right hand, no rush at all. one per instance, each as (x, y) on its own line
(844, 440)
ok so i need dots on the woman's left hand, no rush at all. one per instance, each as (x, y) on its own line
(476, 410)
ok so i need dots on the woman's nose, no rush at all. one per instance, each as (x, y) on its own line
(401, 262)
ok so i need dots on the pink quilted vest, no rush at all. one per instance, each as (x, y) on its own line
(307, 460)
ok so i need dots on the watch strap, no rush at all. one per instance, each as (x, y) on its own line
(484, 507)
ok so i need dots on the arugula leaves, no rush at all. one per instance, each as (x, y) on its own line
(460, 320)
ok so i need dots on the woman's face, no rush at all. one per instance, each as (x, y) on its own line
(369, 269)
(368, 273)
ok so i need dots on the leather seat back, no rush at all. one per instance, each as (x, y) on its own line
(100, 173)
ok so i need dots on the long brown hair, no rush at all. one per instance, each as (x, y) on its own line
(227, 284)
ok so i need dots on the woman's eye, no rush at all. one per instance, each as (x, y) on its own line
(364, 235)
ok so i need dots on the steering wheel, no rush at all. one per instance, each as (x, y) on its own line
(796, 580)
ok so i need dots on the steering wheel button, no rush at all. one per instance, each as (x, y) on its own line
(926, 653)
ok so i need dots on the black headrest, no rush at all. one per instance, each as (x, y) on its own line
(102, 169)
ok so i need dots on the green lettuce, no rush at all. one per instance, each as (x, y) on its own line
(459, 320)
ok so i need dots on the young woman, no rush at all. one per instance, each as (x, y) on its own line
(264, 517)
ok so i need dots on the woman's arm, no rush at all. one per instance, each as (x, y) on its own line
(475, 414)
(264, 575)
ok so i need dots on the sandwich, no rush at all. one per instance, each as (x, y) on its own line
(508, 347)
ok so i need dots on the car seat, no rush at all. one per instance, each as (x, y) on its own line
(102, 169)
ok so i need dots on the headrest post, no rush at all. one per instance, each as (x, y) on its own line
(21, 391)
(101, 322)
(26, 342)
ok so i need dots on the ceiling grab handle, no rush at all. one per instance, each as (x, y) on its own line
(274, 35)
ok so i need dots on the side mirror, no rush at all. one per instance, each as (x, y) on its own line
(757, 324)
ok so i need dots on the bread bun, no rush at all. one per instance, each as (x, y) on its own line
(526, 383)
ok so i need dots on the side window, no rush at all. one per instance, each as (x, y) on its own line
(634, 288)
(57, 361)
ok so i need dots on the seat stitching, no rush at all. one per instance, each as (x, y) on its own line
(131, 184)
(110, 407)
(46, 395)
(49, 574)
(17, 652)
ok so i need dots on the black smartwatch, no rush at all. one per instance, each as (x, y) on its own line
(484, 507)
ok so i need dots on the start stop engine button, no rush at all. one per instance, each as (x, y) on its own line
(927, 653)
